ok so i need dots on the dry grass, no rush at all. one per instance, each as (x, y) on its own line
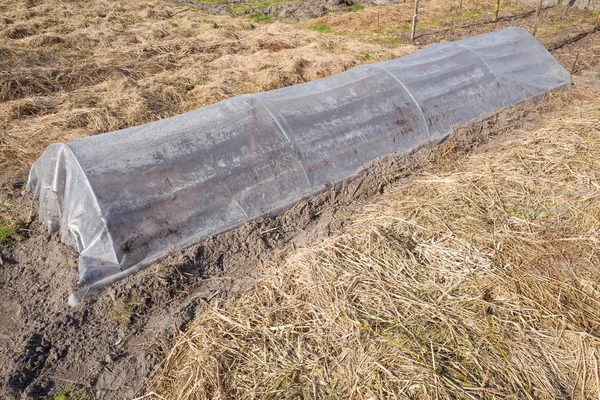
(450, 20)
(73, 69)
(378, 22)
(477, 279)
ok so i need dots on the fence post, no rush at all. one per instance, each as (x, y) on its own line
(575, 64)
(538, 10)
(497, 10)
(414, 21)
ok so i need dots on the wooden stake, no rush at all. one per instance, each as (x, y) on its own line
(574, 64)
(414, 21)
(497, 10)
(538, 10)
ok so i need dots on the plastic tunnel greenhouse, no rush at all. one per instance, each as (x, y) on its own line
(127, 198)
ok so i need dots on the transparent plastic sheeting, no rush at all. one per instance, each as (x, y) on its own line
(127, 198)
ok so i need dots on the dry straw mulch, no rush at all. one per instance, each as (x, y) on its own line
(73, 69)
(478, 280)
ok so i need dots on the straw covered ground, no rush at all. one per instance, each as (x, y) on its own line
(474, 274)
(477, 279)
(73, 69)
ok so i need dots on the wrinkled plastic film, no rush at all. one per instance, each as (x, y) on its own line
(127, 198)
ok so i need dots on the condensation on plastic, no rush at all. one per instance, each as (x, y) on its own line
(127, 198)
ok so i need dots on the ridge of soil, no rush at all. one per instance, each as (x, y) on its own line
(287, 11)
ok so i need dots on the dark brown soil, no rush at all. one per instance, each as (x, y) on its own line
(111, 344)
(287, 11)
